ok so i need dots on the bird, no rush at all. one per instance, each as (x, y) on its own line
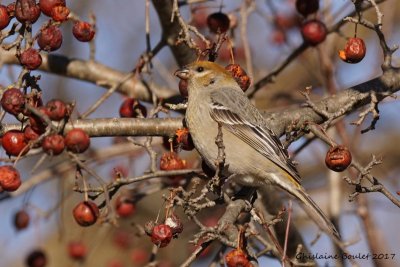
(253, 153)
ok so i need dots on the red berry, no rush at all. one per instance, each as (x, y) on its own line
(139, 256)
(9, 178)
(13, 101)
(58, 110)
(27, 11)
(37, 123)
(218, 22)
(314, 32)
(53, 144)
(83, 31)
(50, 38)
(60, 13)
(161, 235)
(338, 158)
(240, 76)
(124, 206)
(4, 17)
(354, 50)
(36, 258)
(131, 108)
(47, 5)
(184, 139)
(237, 257)
(30, 59)
(171, 161)
(77, 250)
(86, 213)
(307, 7)
(77, 140)
(14, 142)
(21, 220)
(30, 134)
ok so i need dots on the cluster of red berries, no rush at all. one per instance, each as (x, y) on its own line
(162, 234)
(50, 37)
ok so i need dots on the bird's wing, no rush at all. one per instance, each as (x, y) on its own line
(234, 112)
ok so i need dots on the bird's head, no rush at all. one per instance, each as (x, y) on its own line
(205, 74)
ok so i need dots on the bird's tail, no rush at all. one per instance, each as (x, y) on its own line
(311, 208)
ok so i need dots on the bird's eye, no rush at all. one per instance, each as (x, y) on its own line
(200, 69)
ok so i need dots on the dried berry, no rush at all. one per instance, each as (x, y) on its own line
(9, 178)
(125, 206)
(184, 139)
(53, 144)
(307, 7)
(36, 258)
(58, 110)
(240, 76)
(30, 59)
(4, 17)
(237, 257)
(50, 38)
(77, 140)
(13, 101)
(161, 235)
(86, 213)
(218, 22)
(27, 11)
(175, 223)
(338, 158)
(77, 250)
(60, 13)
(354, 51)
(171, 161)
(314, 32)
(83, 31)
(21, 220)
(14, 143)
(131, 108)
(47, 5)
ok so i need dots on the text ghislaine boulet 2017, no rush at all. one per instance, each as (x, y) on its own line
(356, 256)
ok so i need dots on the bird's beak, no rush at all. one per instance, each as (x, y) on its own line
(182, 73)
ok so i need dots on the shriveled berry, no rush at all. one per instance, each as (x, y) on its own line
(175, 223)
(9, 178)
(307, 7)
(4, 17)
(14, 142)
(58, 110)
(47, 5)
(125, 206)
(60, 13)
(36, 258)
(218, 22)
(13, 101)
(131, 108)
(53, 144)
(50, 38)
(27, 11)
(240, 76)
(86, 213)
(184, 139)
(171, 161)
(161, 235)
(354, 51)
(314, 32)
(83, 31)
(338, 158)
(77, 140)
(237, 257)
(30, 59)
(21, 220)
(77, 250)
(37, 123)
